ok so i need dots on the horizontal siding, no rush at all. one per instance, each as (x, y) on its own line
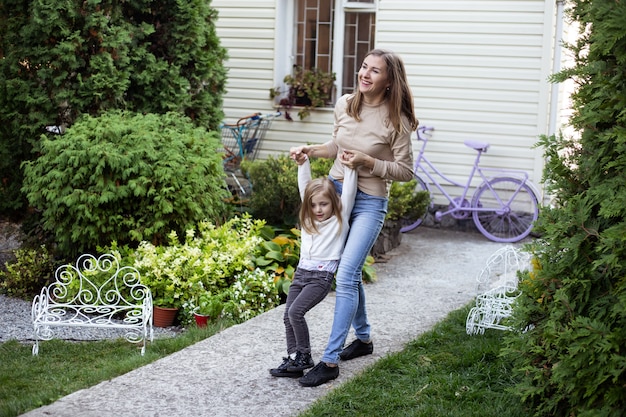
(478, 70)
(246, 30)
(468, 6)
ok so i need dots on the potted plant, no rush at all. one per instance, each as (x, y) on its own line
(404, 202)
(168, 272)
(207, 306)
(167, 300)
(308, 88)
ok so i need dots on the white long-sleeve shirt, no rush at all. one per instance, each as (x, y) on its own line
(327, 245)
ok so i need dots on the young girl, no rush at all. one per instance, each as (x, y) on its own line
(324, 226)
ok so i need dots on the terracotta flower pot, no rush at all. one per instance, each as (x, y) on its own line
(163, 316)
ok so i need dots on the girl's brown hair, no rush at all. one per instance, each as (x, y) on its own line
(398, 95)
(325, 187)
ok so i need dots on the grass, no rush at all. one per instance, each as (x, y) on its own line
(62, 367)
(442, 373)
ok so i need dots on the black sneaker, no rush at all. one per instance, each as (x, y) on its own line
(356, 349)
(303, 361)
(282, 370)
(320, 374)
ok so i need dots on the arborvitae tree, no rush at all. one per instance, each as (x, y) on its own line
(59, 60)
(572, 358)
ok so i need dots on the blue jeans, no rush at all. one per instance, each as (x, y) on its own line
(366, 221)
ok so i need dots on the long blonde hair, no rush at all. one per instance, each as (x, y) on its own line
(326, 188)
(398, 96)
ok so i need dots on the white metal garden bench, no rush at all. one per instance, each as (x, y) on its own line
(98, 293)
(497, 290)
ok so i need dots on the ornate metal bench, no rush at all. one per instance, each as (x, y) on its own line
(497, 290)
(98, 293)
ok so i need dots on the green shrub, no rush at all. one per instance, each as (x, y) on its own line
(275, 196)
(279, 253)
(572, 358)
(252, 293)
(32, 269)
(405, 202)
(208, 259)
(86, 57)
(125, 177)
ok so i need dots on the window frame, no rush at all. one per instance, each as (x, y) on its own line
(286, 30)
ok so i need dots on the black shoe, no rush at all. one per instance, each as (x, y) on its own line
(303, 361)
(320, 374)
(356, 349)
(282, 370)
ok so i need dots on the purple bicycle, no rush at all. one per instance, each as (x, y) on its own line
(503, 207)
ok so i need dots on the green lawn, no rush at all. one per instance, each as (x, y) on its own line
(444, 372)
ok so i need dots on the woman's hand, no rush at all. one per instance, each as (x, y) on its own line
(354, 159)
(299, 154)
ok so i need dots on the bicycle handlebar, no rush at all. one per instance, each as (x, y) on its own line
(256, 116)
(423, 129)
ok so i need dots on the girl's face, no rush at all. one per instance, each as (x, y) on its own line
(373, 79)
(321, 207)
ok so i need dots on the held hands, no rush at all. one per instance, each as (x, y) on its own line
(350, 158)
(354, 159)
(299, 154)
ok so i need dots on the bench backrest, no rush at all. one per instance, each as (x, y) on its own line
(98, 282)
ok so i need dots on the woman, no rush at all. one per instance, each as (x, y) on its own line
(371, 134)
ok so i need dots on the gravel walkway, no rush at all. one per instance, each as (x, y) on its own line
(17, 324)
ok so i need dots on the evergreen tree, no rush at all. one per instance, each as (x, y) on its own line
(59, 60)
(572, 359)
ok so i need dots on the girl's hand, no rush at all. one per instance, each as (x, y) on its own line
(354, 159)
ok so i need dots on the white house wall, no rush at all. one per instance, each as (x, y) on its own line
(478, 70)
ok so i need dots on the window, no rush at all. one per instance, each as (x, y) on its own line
(334, 36)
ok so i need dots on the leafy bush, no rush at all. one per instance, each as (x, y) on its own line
(572, 359)
(405, 202)
(280, 254)
(32, 269)
(252, 293)
(125, 177)
(176, 272)
(275, 195)
(369, 272)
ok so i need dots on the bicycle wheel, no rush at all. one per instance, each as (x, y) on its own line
(508, 207)
(409, 223)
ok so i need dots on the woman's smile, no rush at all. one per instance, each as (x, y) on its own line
(373, 79)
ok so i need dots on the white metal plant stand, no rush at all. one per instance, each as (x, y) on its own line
(98, 293)
(497, 290)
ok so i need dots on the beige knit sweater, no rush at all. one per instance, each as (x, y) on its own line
(374, 136)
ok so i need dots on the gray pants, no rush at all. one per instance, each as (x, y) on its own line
(307, 290)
